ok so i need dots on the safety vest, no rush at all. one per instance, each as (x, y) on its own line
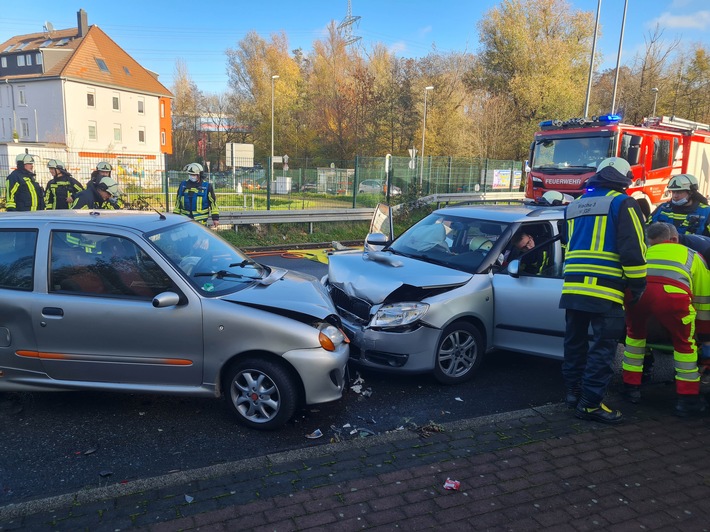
(195, 201)
(696, 222)
(593, 266)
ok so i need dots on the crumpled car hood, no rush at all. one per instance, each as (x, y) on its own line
(291, 291)
(374, 280)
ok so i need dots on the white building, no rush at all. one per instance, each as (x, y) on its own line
(76, 95)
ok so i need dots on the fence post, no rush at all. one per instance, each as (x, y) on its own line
(166, 183)
(512, 175)
(355, 180)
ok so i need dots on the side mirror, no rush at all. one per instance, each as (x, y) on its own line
(166, 299)
(514, 268)
(375, 242)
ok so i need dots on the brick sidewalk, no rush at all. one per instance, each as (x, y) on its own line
(525, 470)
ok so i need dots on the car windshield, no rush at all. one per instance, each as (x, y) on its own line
(583, 153)
(205, 259)
(453, 241)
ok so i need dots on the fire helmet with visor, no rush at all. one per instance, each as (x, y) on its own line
(194, 169)
(103, 166)
(614, 171)
(56, 163)
(681, 182)
(109, 185)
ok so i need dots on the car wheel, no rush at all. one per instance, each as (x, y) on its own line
(459, 353)
(261, 393)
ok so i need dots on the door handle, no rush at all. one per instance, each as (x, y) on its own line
(52, 311)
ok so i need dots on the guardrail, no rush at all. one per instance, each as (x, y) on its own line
(311, 216)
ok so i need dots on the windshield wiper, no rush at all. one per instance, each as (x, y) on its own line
(221, 274)
(245, 262)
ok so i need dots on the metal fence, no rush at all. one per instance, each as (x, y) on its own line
(297, 185)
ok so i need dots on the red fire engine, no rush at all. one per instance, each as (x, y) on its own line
(564, 155)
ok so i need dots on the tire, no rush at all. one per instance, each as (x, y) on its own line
(459, 353)
(261, 393)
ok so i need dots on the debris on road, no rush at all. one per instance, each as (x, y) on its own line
(189, 499)
(452, 484)
(314, 435)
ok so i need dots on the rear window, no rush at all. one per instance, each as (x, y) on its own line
(17, 259)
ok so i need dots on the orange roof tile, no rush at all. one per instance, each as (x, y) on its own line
(80, 62)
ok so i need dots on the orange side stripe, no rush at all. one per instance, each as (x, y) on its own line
(61, 356)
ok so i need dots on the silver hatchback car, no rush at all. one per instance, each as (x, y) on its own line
(451, 288)
(156, 303)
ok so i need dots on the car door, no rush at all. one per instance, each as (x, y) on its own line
(527, 317)
(96, 322)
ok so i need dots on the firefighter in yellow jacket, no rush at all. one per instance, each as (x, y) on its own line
(675, 274)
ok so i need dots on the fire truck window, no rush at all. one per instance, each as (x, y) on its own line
(661, 153)
(676, 146)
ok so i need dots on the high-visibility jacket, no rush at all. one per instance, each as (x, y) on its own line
(695, 221)
(23, 192)
(196, 200)
(683, 272)
(606, 246)
(60, 189)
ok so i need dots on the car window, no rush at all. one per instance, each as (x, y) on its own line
(207, 261)
(532, 246)
(454, 241)
(99, 264)
(17, 254)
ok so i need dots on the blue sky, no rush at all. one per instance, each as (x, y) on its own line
(157, 33)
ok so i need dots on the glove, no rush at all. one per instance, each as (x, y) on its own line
(634, 291)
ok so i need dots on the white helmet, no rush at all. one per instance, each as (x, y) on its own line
(109, 185)
(194, 168)
(24, 158)
(56, 163)
(683, 182)
(103, 166)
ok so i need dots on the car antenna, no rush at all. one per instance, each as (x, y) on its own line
(162, 216)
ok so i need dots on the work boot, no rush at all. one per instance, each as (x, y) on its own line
(688, 405)
(572, 397)
(632, 393)
(601, 413)
(647, 375)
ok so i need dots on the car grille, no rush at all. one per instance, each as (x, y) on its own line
(358, 308)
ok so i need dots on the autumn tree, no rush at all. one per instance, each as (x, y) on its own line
(535, 53)
(185, 114)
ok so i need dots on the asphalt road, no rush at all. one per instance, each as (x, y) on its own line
(55, 443)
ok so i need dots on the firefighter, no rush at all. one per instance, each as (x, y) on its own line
(62, 188)
(98, 196)
(196, 198)
(103, 169)
(23, 193)
(676, 274)
(687, 210)
(605, 257)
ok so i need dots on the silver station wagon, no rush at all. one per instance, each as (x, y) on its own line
(156, 303)
(451, 288)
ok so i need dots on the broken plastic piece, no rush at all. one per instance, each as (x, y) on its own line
(451, 484)
(189, 499)
(314, 435)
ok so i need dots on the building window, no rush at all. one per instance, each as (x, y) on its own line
(92, 131)
(38, 59)
(28, 59)
(141, 106)
(22, 98)
(24, 128)
(128, 72)
(90, 99)
(162, 137)
(3, 62)
(141, 135)
(20, 60)
(116, 102)
(162, 109)
(102, 65)
(117, 132)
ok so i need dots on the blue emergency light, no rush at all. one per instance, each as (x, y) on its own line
(609, 119)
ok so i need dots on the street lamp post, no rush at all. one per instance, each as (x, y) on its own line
(654, 90)
(271, 163)
(421, 169)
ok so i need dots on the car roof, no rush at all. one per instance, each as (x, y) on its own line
(144, 221)
(505, 213)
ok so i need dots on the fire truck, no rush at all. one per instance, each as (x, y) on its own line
(565, 154)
